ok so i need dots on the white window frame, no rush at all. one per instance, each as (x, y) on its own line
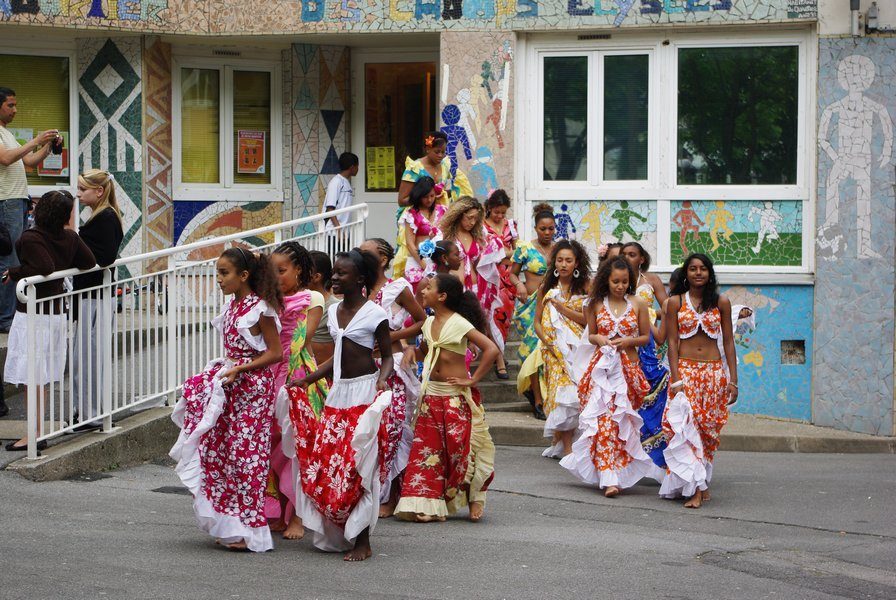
(29, 48)
(226, 190)
(662, 185)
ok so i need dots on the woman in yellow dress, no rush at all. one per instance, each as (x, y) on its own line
(560, 327)
(449, 188)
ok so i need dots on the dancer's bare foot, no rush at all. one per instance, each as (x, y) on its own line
(295, 530)
(422, 518)
(240, 545)
(611, 492)
(387, 509)
(476, 510)
(277, 525)
(696, 501)
(362, 550)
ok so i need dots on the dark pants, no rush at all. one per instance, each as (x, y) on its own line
(12, 214)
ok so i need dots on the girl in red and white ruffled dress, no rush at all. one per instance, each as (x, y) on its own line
(609, 453)
(226, 411)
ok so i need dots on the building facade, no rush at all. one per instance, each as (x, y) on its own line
(758, 131)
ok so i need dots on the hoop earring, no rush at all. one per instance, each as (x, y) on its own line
(556, 273)
(575, 274)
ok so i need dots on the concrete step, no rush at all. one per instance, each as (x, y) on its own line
(499, 392)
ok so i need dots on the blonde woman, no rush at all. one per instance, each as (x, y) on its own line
(94, 312)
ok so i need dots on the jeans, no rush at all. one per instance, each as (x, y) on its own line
(13, 215)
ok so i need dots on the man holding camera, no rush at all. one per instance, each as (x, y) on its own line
(14, 198)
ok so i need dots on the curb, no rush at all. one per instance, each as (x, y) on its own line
(145, 436)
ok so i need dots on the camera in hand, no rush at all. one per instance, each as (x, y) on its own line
(57, 145)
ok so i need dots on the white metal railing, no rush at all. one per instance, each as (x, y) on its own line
(137, 339)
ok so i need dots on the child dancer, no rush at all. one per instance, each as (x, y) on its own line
(338, 455)
(321, 342)
(559, 324)
(437, 481)
(405, 321)
(422, 219)
(226, 411)
(609, 452)
(697, 317)
(301, 313)
(649, 287)
(446, 257)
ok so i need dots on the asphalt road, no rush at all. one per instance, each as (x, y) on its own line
(778, 526)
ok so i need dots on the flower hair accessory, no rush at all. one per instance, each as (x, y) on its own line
(428, 141)
(602, 251)
(426, 248)
(438, 188)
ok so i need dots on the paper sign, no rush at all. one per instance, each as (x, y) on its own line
(380, 167)
(56, 165)
(251, 151)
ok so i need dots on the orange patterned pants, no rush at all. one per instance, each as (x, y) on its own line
(706, 386)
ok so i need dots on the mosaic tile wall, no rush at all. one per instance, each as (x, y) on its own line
(476, 107)
(775, 361)
(597, 222)
(110, 112)
(738, 233)
(854, 328)
(158, 212)
(196, 221)
(289, 16)
(319, 121)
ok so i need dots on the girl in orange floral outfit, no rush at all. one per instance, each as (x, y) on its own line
(609, 451)
(697, 317)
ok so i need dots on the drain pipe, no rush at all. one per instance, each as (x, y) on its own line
(854, 17)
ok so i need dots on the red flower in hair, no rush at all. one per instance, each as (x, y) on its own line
(428, 141)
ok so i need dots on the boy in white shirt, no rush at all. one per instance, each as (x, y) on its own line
(339, 190)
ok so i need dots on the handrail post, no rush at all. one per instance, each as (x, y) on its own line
(104, 337)
(171, 298)
(31, 305)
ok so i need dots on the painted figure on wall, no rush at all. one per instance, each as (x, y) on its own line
(718, 219)
(467, 114)
(768, 224)
(566, 228)
(624, 216)
(591, 221)
(457, 135)
(482, 173)
(852, 158)
(687, 221)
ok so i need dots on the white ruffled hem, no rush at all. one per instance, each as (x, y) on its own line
(688, 470)
(553, 451)
(565, 415)
(609, 395)
(328, 536)
(403, 453)
(227, 528)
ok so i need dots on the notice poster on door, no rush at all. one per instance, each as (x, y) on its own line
(56, 165)
(380, 167)
(251, 151)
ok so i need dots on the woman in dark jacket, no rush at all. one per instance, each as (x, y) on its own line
(95, 310)
(46, 248)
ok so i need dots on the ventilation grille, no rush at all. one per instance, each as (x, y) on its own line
(595, 36)
(226, 52)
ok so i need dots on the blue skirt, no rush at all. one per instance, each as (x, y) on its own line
(652, 439)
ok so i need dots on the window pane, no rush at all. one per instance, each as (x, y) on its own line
(200, 125)
(399, 108)
(626, 80)
(737, 115)
(41, 86)
(252, 127)
(565, 118)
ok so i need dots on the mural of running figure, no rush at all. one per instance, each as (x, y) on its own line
(687, 220)
(624, 216)
(852, 157)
